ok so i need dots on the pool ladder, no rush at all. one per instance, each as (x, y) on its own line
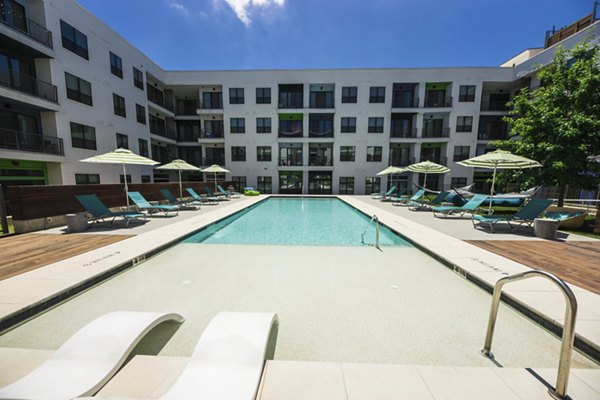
(373, 218)
(568, 337)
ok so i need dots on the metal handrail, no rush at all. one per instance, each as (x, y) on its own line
(376, 219)
(568, 337)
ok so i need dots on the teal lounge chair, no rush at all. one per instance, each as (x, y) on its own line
(391, 197)
(525, 215)
(203, 200)
(469, 207)
(403, 201)
(380, 195)
(143, 205)
(425, 205)
(212, 195)
(189, 204)
(233, 195)
(99, 212)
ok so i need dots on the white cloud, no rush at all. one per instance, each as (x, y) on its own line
(179, 7)
(242, 7)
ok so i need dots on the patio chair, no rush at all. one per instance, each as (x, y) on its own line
(215, 196)
(233, 195)
(99, 212)
(398, 194)
(389, 193)
(89, 358)
(403, 201)
(469, 207)
(202, 199)
(229, 358)
(176, 202)
(525, 215)
(425, 205)
(143, 205)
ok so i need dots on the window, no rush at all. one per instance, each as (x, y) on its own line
(374, 153)
(236, 95)
(466, 93)
(372, 185)
(116, 65)
(83, 136)
(461, 153)
(237, 125)
(87, 179)
(265, 184)
(348, 124)
(122, 141)
(347, 153)
(263, 96)
(263, 125)
(239, 182)
(263, 153)
(140, 114)
(464, 124)
(122, 180)
(377, 94)
(349, 94)
(458, 182)
(138, 78)
(346, 185)
(238, 153)
(119, 105)
(146, 179)
(78, 89)
(74, 40)
(143, 148)
(375, 125)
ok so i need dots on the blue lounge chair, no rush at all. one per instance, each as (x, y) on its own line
(425, 205)
(233, 195)
(469, 207)
(380, 195)
(213, 196)
(143, 205)
(403, 201)
(525, 215)
(189, 204)
(398, 194)
(99, 212)
(202, 199)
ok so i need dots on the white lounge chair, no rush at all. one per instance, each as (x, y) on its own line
(228, 360)
(89, 358)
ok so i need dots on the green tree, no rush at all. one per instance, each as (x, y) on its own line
(558, 124)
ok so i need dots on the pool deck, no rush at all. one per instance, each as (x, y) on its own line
(445, 239)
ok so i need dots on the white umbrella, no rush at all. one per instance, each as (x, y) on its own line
(179, 165)
(499, 159)
(427, 167)
(215, 169)
(391, 170)
(121, 156)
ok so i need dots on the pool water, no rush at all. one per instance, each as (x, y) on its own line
(298, 221)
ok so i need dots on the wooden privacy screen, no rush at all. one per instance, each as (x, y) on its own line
(31, 202)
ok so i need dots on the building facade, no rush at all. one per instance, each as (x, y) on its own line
(71, 88)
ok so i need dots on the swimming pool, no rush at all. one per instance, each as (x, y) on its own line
(298, 221)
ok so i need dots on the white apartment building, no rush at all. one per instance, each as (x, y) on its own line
(70, 88)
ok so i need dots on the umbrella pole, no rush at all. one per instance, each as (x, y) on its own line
(180, 191)
(215, 182)
(126, 188)
(492, 190)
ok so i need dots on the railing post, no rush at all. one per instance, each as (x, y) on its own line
(3, 211)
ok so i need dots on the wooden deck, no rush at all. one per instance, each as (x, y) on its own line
(574, 262)
(22, 253)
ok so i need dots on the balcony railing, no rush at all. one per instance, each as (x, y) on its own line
(291, 100)
(189, 109)
(436, 159)
(436, 133)
(494, 106)
(290, 161)
(210, 105)
(156, 96)
(403, 132)
(399, 161)
(34, 142)
(213, 160)
(402, 102)
(214, 134)
(26, 26)
(320, 134)
(320, 161)
(438, 102)
(30, 85)
(492, 135)
(290, 134)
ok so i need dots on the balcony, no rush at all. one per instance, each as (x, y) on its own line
(186, 107)
(494, 105)
(213, 160)
(404, 132)
(29, 85)
(399, 100)
(34, 142)
(211, 134)
(436, 159)
(291, 161)
(157, 97)
(438, 102)
(401, 161)
(436, 133)
(24, 25)
(212, 103)
(492, 135)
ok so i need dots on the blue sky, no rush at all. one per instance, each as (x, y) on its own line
(273, 34)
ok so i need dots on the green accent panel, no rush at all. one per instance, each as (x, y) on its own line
(23, 165)
(437, 85)
(431, 145)
(291, 116)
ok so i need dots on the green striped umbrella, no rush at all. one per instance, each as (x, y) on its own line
(427, 167)
(499, 159)
(215, 169)
(121, 156)
(391, 170)
(179, 165)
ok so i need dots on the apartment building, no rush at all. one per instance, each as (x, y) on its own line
(70, 88)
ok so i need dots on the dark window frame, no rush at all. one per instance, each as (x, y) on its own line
(122, 140)
(346, 155)
(375, 125)
(84, 179)
(119, 107)
(83, 142)
(137, 82)
(237, 127)
(351, 95)
(377, 94)
(116, 65)
(238, 153)
(377, 154)
(77, 94)
(461, 156)
(261, 95)
(74, 40)
(262, 127)
(140, 113)
(262, 155)
(466, 95)
(236, 95)
(346, 185)
(143, 147)
(461, 125)
(346, 127)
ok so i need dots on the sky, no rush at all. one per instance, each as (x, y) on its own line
(308, 34)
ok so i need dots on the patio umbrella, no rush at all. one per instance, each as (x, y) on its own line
(179, 165)
(427, 167)
(391, 170)
(121, 156)
(215, 169)
(499, 159)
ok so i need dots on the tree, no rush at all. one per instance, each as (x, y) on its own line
(558, 124)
